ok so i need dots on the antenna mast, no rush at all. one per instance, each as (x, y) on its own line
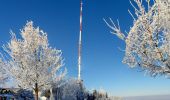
(79, 47)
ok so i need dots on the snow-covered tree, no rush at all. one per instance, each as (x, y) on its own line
(100, 94)
(147, 42)
(31, 61)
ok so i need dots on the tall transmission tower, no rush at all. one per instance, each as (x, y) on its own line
(79, 44)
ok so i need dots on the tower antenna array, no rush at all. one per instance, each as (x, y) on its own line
(79, 44)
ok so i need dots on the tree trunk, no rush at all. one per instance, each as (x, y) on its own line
(36, 91)
(51, 94)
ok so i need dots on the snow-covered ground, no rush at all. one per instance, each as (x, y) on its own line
(155, 97)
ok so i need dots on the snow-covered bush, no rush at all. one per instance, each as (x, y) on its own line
(73, 90)
(67, 89)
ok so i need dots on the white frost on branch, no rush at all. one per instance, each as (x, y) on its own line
(116, 29)
(3, 74)
(147, 42)
(31, 60)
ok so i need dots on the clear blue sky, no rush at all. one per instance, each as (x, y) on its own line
(101, 58)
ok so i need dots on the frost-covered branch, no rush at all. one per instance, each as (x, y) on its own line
(115, 29)
(147, 42)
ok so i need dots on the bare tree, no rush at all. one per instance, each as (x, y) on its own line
(147, 42)
(31, 61)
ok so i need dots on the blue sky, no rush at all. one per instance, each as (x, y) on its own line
(101, 58)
